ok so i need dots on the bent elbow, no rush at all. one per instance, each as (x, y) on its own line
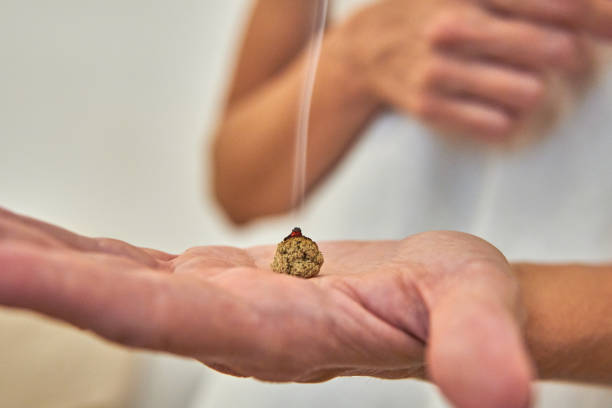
(234, 206)
(242, 207)
(243, 197)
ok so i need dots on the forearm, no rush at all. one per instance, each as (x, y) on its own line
(569, 320)
(254, 149)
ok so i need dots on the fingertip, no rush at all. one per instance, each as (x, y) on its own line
(563, 51)
(494, 129)
(470, 118)
(500, 126)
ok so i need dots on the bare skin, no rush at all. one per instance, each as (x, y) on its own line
(419, 307)
(382, 309)
(593, 16)
(459, 66)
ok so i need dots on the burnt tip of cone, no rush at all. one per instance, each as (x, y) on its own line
(296, 232)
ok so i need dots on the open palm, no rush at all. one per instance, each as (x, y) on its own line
(441, 305)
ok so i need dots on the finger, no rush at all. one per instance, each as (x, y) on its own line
(137, 309)
(476, 354)
(562, 12)
(506, 87)
(600, 18)
(466, 117)
(10, 230)
(517, 42)
(47, 233)
(62, 235)
(75, 288)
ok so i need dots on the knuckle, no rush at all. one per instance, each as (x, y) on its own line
(564, 49)
(444, 28)
(432, 73)
(107, 244)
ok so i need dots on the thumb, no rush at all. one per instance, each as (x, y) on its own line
(476, 354)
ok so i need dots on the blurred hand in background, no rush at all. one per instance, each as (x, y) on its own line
(458, 65)
(475, 68)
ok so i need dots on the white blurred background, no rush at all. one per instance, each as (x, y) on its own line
(105, 108)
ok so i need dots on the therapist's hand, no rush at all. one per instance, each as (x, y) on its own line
(461, 66)
(592, 16)
(440, 305)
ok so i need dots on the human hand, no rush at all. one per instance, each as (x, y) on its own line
(458, 66)
(441, 305)
(593, 16)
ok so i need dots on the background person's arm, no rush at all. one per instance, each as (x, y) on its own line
(452, 65)
(254, 148)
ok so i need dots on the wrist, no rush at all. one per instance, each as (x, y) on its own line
(339, 62)
(568, 330)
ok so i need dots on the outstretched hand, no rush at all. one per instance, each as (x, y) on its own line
(438, 305)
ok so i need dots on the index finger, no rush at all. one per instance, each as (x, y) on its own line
(139, 309)
(36, 231)
(86, 292)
